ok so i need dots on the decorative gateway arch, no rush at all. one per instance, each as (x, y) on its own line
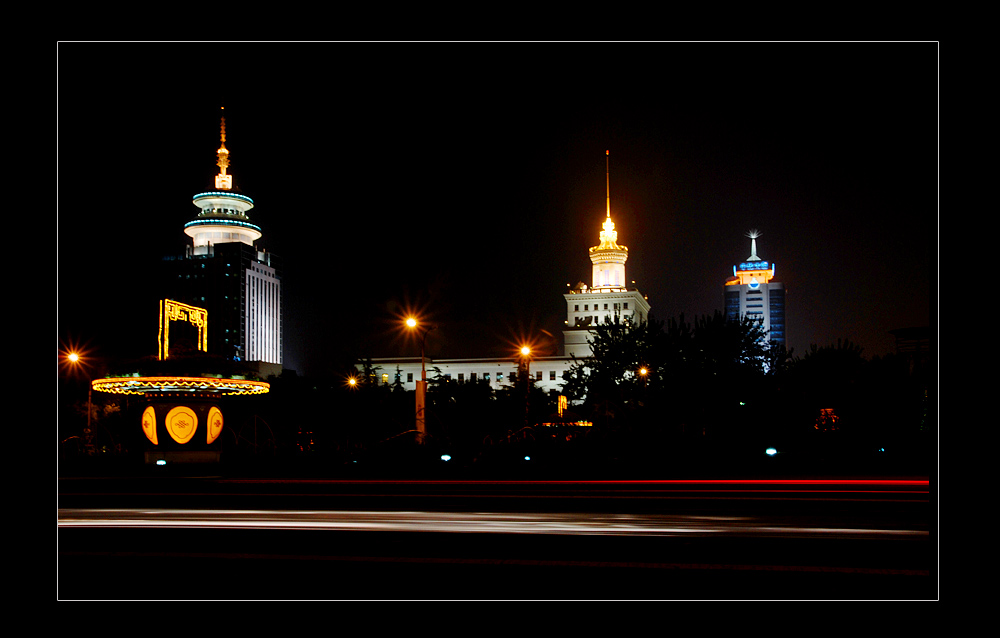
(171, 310)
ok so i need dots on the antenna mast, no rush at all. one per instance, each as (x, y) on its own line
(607, 168)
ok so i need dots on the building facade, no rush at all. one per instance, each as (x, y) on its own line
(224, 272)
(753, 292)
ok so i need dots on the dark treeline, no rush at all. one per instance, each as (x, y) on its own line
(712, 396)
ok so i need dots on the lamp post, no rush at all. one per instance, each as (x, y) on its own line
(421, 400)
(525, 369)
(88, 432)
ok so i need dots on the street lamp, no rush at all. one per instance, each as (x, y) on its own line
(642, 373)
(525, 369)
(421, 399)
(88, 434)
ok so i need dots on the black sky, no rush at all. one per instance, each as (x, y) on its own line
(468, 180)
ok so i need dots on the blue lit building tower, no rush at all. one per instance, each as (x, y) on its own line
(752, 292)
(224, 272)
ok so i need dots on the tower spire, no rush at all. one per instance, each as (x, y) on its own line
(222, 180)
(753, 234)
(607, 175)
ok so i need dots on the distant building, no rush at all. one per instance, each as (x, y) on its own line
(607, 297)
(223, 272)
(752, 292)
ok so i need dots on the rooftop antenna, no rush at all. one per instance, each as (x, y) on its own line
(607, 168)
(753, 234)
(222, 180)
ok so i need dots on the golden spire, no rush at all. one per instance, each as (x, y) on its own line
(607, 176)
(222, 180)
(609, 236)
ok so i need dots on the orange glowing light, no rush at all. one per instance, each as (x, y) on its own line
(411, 322)
(525, 351)
(181, 423)
(149, 424)
(214, 428)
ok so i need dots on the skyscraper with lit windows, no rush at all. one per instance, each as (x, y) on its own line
(223, 272)
(752, 292)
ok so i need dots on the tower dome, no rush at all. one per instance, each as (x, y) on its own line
(223, 217)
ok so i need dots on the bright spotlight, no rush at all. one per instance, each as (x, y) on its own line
(445, 457)
(161, 462)
(411, 322)
(770, 451)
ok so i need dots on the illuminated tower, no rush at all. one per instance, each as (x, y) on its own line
(608, 296)
(224, 272)
(752, 292)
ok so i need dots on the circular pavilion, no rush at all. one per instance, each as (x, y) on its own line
(183, 417)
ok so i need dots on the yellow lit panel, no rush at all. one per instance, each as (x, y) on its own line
(149, 424)
(214, 425)
(181, 424)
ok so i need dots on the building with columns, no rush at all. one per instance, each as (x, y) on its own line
(223, 272)
(607, 297)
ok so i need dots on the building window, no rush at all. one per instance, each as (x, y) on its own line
(552, 375)
(626, 305)
(409, 377)
(576, 307)
(486, 376)
(461, 376)
(472, 377)
(605, 306)
(538, 375)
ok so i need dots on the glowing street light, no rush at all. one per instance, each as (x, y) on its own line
(88, 434)
(524, 368)
(421, 398)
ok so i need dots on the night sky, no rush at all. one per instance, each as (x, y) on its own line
(466, 182)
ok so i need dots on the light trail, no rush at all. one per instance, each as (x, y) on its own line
(475, 522)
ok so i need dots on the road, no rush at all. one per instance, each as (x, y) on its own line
(304, 539)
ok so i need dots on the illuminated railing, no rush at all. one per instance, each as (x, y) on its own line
(143, 385)
(222, 194)
(220, 221)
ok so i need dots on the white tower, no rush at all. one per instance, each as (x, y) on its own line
(752, 292)
(223, 217)
(608, 296)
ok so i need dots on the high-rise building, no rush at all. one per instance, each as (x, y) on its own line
(752, 292)
(224, 272)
